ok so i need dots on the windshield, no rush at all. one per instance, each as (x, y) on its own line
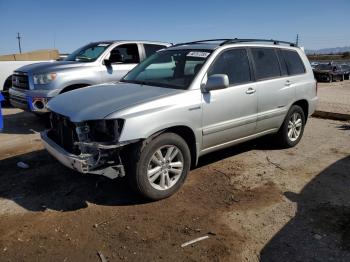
(88, 53)
(324, 67)
(169, 68)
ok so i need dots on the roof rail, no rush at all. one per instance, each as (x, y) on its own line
(237, 40)
(204, 41)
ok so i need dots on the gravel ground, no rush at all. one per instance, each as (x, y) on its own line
(334, 97)
(254, 201)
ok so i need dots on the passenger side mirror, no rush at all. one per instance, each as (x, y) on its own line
(216, 82)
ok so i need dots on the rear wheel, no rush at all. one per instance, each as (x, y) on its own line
(292, 128)
(158, 168)
(330, 78)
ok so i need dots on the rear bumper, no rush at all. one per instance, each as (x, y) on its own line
(313, 105)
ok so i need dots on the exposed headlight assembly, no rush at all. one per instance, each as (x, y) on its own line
(43, 79)
(101, 130)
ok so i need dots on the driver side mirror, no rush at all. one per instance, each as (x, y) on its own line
(216, 82)
(114, 58)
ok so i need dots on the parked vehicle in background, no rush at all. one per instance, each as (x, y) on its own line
(346, 71)
(328, 73)
(181, 103)
(314, 64)
(99, 62)
(6, 71)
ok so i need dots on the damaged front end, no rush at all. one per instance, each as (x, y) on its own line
(88, 147)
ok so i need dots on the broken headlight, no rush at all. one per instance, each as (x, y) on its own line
(101, 130)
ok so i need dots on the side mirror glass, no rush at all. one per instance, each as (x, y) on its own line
(216, 82)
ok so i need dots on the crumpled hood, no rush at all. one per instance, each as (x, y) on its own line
(48, 67)
(96, 102)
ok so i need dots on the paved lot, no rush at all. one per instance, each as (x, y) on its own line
(334, 97)
(254, 201)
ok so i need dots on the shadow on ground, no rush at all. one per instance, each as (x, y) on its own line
(22, 123)
(49, 185)
(320, 230)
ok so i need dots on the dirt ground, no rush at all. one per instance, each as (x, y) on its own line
(254, 201)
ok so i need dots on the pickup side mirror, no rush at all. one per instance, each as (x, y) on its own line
(114, 58)
(216, 82)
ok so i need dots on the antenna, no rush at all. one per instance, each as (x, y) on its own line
(19, 43)
(297, 40)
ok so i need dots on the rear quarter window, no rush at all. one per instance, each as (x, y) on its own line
(294, 63)
(266, 63)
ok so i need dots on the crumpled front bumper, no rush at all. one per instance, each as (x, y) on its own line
(69, 160)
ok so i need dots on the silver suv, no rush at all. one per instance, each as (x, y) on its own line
(179, 104)
(96, 63)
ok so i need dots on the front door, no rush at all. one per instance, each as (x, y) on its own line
(231, 113)
(122, 59)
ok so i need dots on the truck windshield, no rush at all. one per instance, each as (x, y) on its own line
(169, 68)
(88, 53)
(324, 67)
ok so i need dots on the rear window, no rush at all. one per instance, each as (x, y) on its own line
(294, 63)
(150, 49)
(266, 63)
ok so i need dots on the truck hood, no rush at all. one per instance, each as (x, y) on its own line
(47, 67)
(96, 102)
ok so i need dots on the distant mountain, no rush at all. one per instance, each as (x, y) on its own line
(334, 50)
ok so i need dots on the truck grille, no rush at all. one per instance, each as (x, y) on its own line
(20, 80)
(63, 133)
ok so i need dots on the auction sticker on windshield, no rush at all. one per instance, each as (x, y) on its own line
(198, 54)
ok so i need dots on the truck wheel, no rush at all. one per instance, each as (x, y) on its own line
(292, 128)
(158, 168)
(330, 78)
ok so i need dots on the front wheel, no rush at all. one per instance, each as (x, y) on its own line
(158, 168)
(292, 128)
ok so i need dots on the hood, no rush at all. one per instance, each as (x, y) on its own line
(96, 102)
(46, 67)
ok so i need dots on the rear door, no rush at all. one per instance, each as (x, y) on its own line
(130, 54)
(150, 49)
(230, 114)
(274, 88)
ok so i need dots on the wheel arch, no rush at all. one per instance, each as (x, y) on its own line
(187, 134)
(73, 87)
(304, 104)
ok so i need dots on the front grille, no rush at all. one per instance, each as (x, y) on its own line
(63, 133)
(20, 80)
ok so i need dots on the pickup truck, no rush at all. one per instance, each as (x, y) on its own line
(6, 71)
(328, 73)
(95, 63)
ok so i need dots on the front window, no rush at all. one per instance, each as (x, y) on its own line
(88, 53)
(169, 68)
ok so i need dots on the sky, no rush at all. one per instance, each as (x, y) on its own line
(67, 25)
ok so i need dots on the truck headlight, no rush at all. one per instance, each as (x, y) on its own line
(42, 79)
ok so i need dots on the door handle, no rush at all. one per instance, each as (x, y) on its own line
(250, 91)
(288, 83)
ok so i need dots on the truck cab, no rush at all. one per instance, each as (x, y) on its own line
(95, 63)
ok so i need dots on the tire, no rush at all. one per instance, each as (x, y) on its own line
(143, 158)
(330, 79)
(341, 78)
(286, 139)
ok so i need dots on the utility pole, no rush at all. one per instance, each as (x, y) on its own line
(19, 43)
(297, 40)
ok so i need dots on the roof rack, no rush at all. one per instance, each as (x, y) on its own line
(238, 40)
(275, 42)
